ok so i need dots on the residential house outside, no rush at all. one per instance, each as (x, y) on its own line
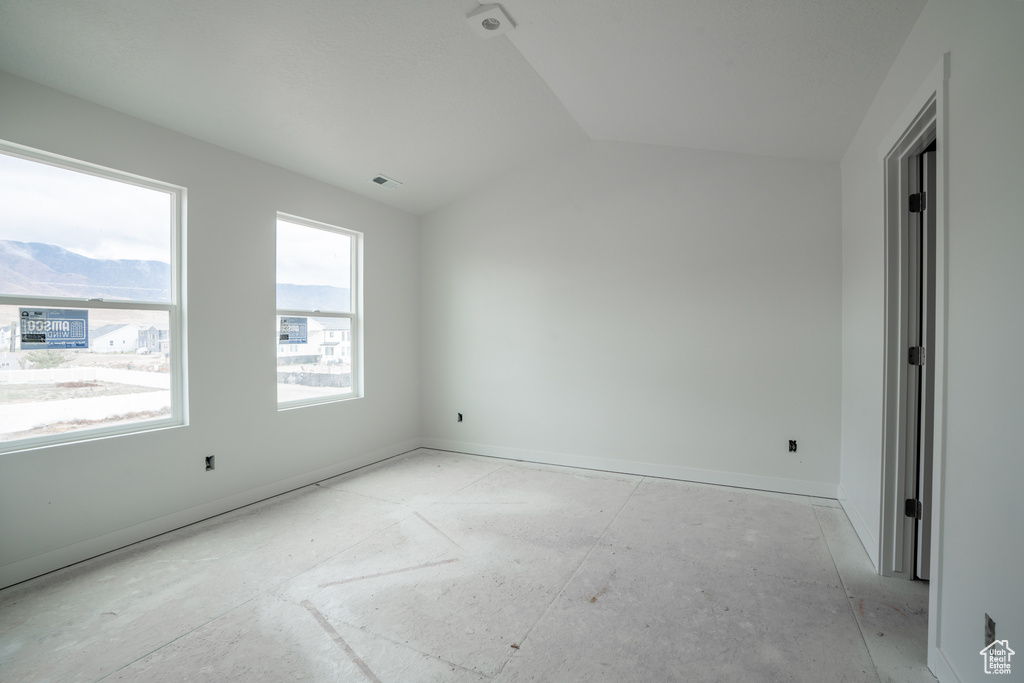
(8, 359)
(154, 340)
(333, 340)
(114, 339)
(328, 342)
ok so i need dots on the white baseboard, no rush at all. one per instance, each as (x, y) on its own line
(746, 481)
(868, 537)
(43, 563)
(22, 570)
(942, 669)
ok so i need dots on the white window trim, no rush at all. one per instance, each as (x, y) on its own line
(354, 316)
(175, 308)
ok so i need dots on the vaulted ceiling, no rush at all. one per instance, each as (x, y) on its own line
(343, 90)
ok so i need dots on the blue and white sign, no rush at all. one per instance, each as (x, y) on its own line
(293, 330)
(54, 328)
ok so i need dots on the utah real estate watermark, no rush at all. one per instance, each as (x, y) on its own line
(997, 657)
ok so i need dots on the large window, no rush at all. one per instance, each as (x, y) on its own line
(317, 312)
(90, 301)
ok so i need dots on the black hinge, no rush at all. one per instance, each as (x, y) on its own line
(912, 508)
(917, 355)
(918, 202)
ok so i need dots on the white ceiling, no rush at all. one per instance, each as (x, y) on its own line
(342, 90)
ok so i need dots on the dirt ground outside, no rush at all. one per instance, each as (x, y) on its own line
(36, 418)
(29, 393)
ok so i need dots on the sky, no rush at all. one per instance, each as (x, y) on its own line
(102, 218)
(311, 256)
(88, 215)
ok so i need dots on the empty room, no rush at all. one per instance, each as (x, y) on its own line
(427, 340)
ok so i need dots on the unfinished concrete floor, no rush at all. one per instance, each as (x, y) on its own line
(438, 566)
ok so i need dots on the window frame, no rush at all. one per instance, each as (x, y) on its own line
(354, 316)
(175, 307)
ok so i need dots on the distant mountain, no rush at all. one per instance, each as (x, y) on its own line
(37, 268)
(49, 270)
(314, 298)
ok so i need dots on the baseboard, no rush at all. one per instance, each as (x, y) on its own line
(867, 539)
(59, 558)
(43, 563)
(746, 481)
(942, 669)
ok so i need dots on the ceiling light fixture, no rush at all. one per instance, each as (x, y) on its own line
(490, 20)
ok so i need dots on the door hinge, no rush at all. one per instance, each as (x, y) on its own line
(917, 355)
(918, 202)
(912, 508)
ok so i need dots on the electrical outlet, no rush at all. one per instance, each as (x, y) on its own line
(459, 418)
(990, 631)
(210, 463)
(792, 445)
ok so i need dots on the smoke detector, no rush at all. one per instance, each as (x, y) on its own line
(490, 20)
(384, 181)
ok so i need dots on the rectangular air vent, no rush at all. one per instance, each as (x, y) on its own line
(384, 181)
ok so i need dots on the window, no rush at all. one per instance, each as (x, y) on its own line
(90, 265)
(317, 311)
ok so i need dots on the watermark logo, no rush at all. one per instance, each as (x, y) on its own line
(997, 657)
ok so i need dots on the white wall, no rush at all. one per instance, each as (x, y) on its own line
(983, 548)
(63, 504)
(641, 308)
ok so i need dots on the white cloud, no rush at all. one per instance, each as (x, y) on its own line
(92, 216)
(310, 256)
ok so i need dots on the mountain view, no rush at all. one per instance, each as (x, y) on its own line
(48, 270)
(313, 298)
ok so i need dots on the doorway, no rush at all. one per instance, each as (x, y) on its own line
(912, 205)
(915, 159)
(920, 374)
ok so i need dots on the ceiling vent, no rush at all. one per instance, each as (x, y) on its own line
(490, 20)
(384, 181)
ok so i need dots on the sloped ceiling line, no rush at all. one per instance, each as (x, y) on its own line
(342, 91)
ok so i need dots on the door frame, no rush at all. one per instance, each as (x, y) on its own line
(899, 473)
(925, 116)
